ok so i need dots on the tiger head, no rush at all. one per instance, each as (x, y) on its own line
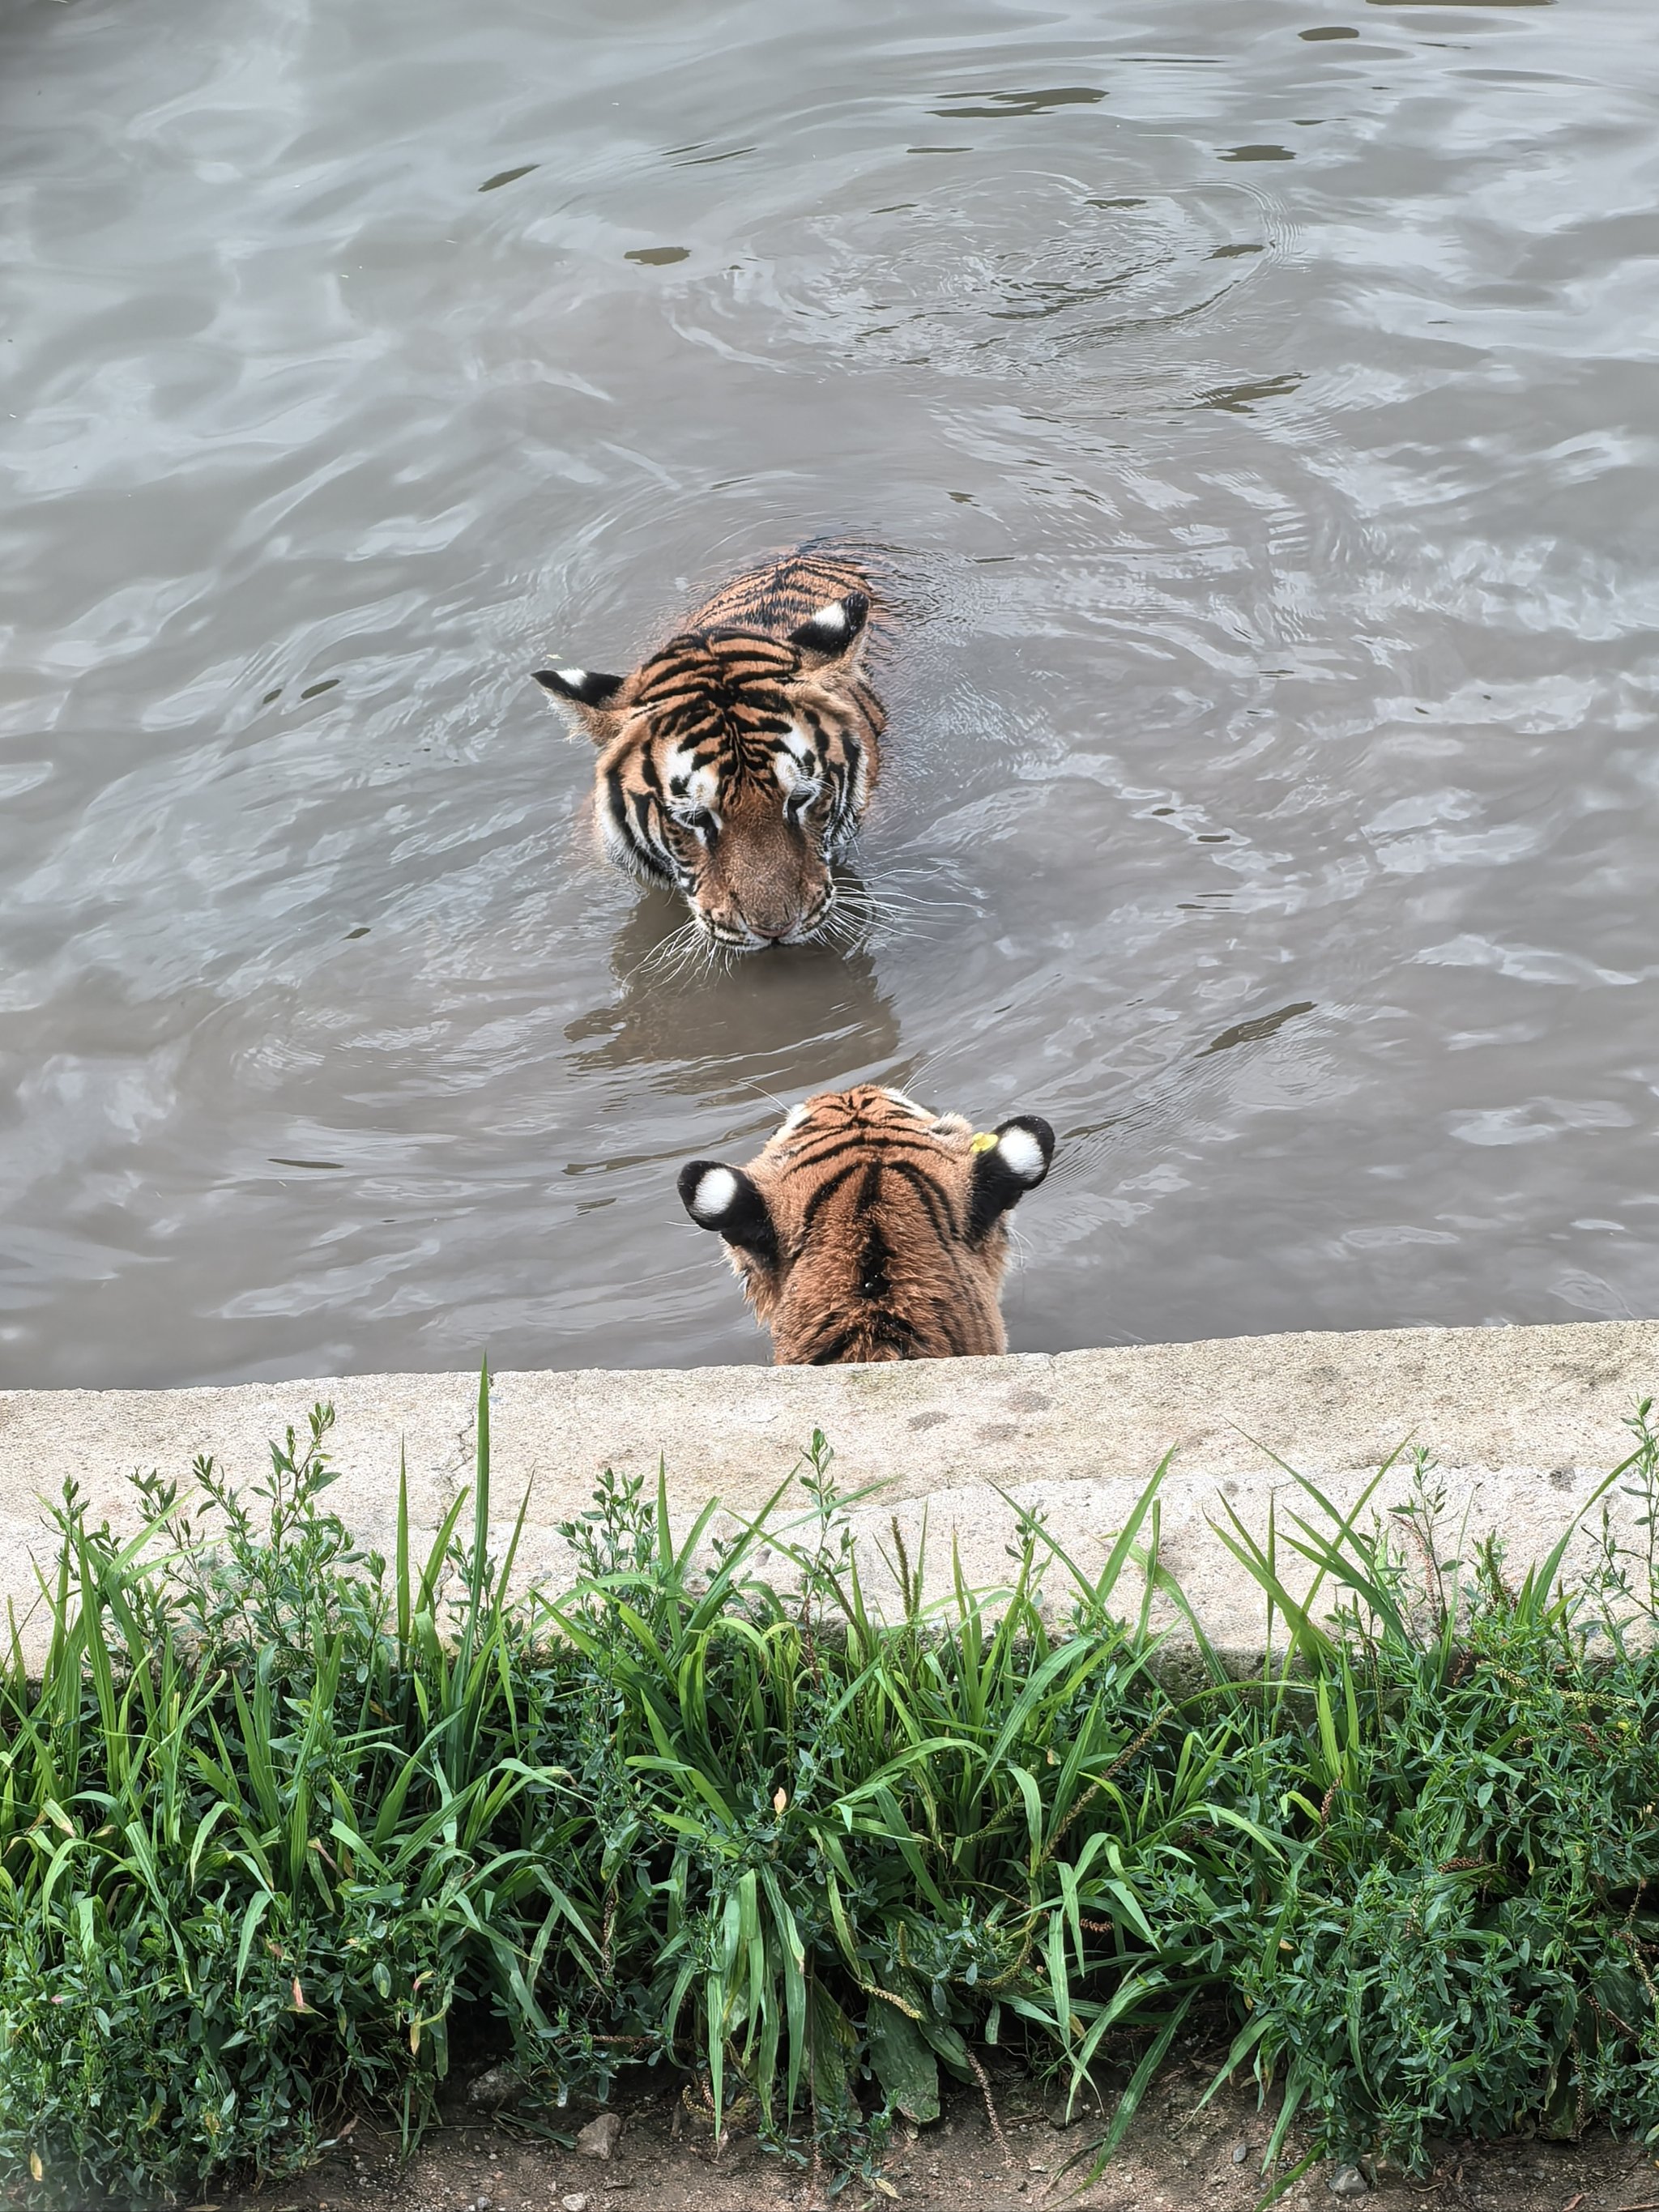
(869, 1229)
(734, 767)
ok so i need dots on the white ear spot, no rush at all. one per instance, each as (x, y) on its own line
(576, 677)
(834, 617)
(711, 1201)
(1022, 1155)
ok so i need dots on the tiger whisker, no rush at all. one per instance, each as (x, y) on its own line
(761, 1091)
(879, 920)
(684, 951)
(868, 901)
(663, 958)
(854, 923)
(884, 894)
(902, 903)
(937, 872)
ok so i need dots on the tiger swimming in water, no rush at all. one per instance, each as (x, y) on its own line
(869, 1229)
(736, 760)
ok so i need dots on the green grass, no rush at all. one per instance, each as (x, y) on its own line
(278, 1817)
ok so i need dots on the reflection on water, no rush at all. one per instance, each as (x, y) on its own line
(1258, 406)
(721, 1030)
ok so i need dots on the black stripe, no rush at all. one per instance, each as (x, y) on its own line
(823, 1194)
(837, 1348)
(874, 1259)
(936, 1200)
(833, 1143)
(890, 1327)
(883, 1330)
(776, 599)
(920, 1151)
(645, 850)
(947, 1319)
(738, 669)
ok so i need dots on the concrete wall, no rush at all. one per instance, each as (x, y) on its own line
(1522, 1421)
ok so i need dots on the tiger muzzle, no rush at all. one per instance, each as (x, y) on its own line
(780, 898)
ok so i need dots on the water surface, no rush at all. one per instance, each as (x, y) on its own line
(1260, 405)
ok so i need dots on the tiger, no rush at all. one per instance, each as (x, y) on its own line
(868, 1229)
(736, 762)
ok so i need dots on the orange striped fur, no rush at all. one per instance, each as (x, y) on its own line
(736, 762)
(869, 1229)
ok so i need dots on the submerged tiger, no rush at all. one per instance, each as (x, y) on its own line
(736, 760)
(869, 1229)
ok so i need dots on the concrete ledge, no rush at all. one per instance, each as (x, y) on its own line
(1522, 1423)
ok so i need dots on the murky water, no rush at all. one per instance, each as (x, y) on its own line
(1260, 404)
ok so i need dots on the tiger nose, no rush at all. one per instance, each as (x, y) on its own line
(771, 924)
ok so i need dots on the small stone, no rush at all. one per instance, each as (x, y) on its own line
(1348, 2181)
(1241, 2152)
(576, 2202)
(497, 2087)
(599, 2138)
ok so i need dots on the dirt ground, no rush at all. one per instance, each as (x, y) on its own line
(1175, 2157)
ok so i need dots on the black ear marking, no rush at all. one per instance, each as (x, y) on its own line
(1005, 1171)
(725, 1199)
(582, 687)
(834, 630)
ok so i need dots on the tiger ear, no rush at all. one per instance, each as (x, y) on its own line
(725, 1199)
(835, 633)
(1013, 1162)
(589, 696)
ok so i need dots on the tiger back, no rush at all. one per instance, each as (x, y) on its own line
(735, 763)
(869, 1229)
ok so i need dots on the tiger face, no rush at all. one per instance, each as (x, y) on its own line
(869, 1229)
(735, 763)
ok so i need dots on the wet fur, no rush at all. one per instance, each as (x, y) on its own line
(868, 1229)
(747, 703)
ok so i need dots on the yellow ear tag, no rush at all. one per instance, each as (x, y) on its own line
(985, 1141)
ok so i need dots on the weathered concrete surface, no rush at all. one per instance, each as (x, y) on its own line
(1521, 1422)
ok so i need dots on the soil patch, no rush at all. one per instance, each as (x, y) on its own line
(1177, 2158)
